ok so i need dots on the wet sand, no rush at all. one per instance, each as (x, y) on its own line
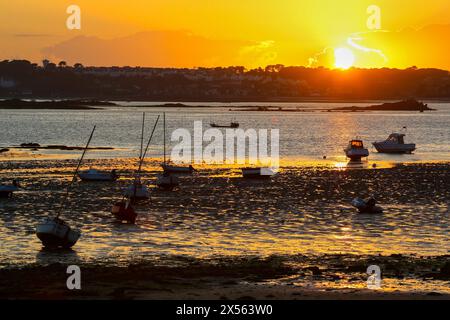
(222, 237)
(242, 279)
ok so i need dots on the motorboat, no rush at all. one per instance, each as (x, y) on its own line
(231, 125)
(96, 175)
(258, 173)
(355, 150)
(395, 143)
(6, 191)
(167, 181)
(55, 233)
(368, 206)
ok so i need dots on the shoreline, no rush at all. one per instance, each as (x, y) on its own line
(339, 277)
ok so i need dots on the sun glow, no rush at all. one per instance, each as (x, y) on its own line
(343, 58)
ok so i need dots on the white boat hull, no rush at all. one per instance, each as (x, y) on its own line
(140, 193)
(55, 233)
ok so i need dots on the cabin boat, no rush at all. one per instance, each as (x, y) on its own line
(6, 191)
(96, 175)
(167, 181)
(55, 233)
(124, 211)
(395, 143)
(231, 125)
(177, 169)
(257, 173)
(355, 150)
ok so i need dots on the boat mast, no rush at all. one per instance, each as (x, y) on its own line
(142, 135)
(164, 122)
(63, 204)
(148, 144)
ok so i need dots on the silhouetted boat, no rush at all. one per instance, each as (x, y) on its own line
(96, 175)
(257, 173)
(167, 181)
(124, 211)
(231, 125)
(367, 206)
(355, 150)
(7, 190)
(394, 144)
(54, 232)
(170, 168)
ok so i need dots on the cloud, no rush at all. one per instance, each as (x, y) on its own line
(161, 49)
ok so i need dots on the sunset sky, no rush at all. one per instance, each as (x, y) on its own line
(192, 33)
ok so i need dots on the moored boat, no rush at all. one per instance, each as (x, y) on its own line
(6, 191)
(257, 173)
(55, 233)
(355, 150)
(167, 181)
(96, 175)
(231, 125)
(124, 211)
(395, 143)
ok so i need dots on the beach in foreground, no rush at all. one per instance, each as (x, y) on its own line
(222, 237)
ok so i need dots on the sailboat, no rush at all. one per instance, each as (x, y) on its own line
(137, 190)
(54, 232)
(98, 176)
(123, 210)
(169, 168)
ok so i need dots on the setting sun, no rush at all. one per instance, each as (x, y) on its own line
(343, 58)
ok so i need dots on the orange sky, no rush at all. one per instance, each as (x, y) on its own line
(190, 33)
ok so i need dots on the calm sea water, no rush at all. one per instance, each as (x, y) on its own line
(303, 135)
(193, 222)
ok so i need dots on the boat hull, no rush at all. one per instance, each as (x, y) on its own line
(356, 154)
(7, 191)
(97, 176)
(383, 147)
(176, 169)
(167, 182)
(55, 233)
(141, 192)
(124, 212)
(257, 173)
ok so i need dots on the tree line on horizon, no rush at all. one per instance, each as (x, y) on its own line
(23, 79)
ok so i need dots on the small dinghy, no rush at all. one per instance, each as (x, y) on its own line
(6, 191)
(95, 175)
(367, 206)
(355, 150)
(168, 182)
(54, 232)
(395, 143)
(124, 211)
(257, 173)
